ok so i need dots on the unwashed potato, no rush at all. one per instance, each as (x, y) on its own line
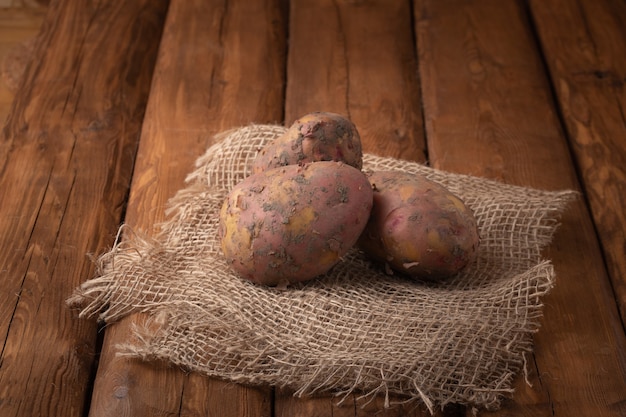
(318, 136)
(418, 227)
(293, 223)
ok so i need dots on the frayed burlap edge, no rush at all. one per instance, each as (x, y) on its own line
(355, 330)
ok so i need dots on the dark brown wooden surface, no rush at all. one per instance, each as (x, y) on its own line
(529, 93)
(589, 78)
(66, 157)
(364, 66)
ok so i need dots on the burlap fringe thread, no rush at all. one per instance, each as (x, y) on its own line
(355, 330)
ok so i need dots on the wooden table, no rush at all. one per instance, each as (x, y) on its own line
(121, 97)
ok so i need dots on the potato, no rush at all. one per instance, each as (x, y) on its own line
(319, 136)
(293, 223)
(418, 227)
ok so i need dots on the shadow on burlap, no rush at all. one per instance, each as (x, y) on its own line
(355, 330)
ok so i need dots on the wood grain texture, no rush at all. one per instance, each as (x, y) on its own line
(18, 30)
(584, 43)
(66, 157)
(352, 406)
(356, 58)
(489, 112)
(220, 65)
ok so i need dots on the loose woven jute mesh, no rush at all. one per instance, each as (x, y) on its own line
(355, 330)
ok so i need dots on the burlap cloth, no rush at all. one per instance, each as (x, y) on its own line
(355, 330)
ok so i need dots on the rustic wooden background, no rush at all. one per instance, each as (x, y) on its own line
(118, 99)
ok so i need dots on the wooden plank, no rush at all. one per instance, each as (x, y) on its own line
(220, 65)
(327, 406)
(585, 43)
(18, 29)
(66, 158)
(24, 4)
(489, 111)
(356, 59)
(363, 67)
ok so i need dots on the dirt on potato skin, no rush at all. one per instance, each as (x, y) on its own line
(294, 223)
(317, 136)
(418, 228)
